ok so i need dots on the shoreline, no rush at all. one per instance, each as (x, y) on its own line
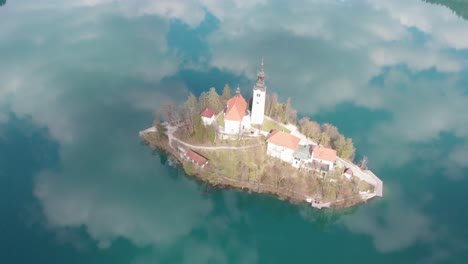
(221, 181)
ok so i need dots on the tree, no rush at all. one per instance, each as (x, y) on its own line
(214, 100)
(2, 2)
(188, 111)
(203, 100)
(267, 104)
(160, 129)
(191, 104)
(310, 129)
(304, 127)
(286, 111)
(199, 128)
(339, 145)
(273, 105)
(331, 130)
(315, 130)
(169, 111)
(348, 150)
(324, 139)
(210, 133)
(292, 116)
(226, 92)
(363, 163)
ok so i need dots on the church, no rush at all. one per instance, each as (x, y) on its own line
(237, 116)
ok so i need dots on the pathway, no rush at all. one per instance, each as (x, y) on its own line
(365, 175)
(171, 137)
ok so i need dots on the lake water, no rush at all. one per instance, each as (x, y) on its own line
(79, 79)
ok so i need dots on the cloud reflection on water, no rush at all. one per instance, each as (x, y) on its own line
(322, 54)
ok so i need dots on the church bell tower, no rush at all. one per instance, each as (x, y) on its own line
(258, 100)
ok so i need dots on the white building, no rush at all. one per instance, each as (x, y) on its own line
(258, 100)
(236, 117)
(324, 156)
(208, 116)
(302, 155)
(282, 145)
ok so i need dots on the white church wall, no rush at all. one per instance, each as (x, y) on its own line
(258, 106)
(231, 127)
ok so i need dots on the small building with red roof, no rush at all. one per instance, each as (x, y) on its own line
(348, 173)
(282, 145)
(208, 116)
(196, 158)
(326, 156)
(236, 116)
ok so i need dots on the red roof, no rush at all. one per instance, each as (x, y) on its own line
(283, 139)
(236, 107)
(208, 113)
(323, 153)
(348, 171)
(197, 158)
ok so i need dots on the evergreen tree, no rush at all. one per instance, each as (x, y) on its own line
(339, 145)
(199, 128)
(214, 100)
(226, 92)
(211, 133)
(203, 100)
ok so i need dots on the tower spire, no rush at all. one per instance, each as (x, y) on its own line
(258, 98)
(260, 84)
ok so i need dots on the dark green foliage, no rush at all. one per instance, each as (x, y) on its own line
(226, 92)
(459, 7)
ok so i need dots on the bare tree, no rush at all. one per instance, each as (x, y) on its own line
(331, 130)
(169, 111)
(274, 103)
(363, 163)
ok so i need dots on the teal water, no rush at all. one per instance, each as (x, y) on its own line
(79, 80)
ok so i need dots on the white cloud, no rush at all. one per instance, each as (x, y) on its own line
(416, 59)
(394, 227)
(327, 53)
(109, 208)
(189, 11)
(47, 89)
(439, 22)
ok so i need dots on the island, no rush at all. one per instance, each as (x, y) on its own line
(260, 146)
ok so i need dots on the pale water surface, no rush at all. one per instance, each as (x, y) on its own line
(79, 79)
